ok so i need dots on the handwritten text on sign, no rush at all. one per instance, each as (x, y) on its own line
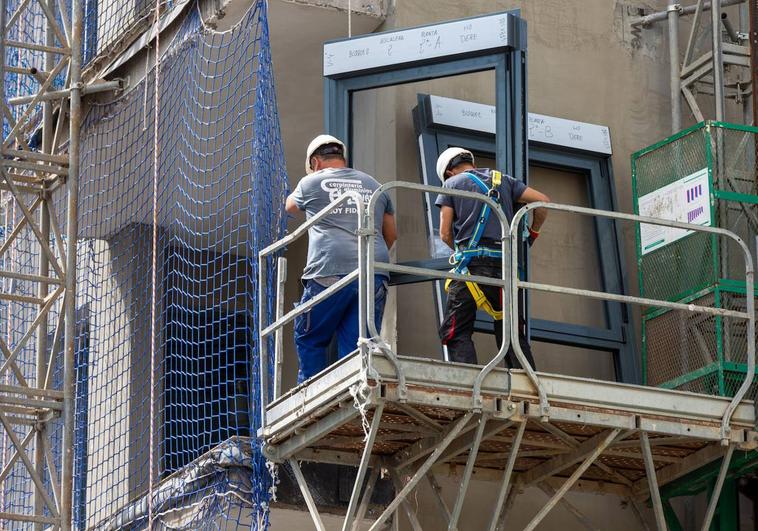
(416, 44)
(545, 129)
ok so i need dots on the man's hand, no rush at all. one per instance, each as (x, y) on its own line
(533, 235)
(531, 195)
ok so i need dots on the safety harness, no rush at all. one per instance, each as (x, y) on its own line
(462, 258)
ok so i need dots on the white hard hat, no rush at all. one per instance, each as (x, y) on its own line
(321, 140)
(447, 156)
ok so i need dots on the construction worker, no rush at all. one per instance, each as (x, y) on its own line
(333, 252)
(467, 227)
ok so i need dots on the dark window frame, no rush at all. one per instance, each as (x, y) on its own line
(618, 336)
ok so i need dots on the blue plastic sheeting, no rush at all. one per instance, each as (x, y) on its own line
(213, 492)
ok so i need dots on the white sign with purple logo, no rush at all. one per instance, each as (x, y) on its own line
(687, 200)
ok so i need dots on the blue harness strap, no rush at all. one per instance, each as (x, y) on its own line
(461, 258)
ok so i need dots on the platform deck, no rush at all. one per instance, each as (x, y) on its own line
(319, 421)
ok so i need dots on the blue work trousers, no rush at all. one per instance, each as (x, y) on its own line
(338, 315)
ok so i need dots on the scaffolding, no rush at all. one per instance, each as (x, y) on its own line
(73, 378)
(411, 417)
(718, 61)
(30, 178)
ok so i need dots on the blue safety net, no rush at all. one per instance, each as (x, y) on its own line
(220, 183)
(167, 382)
(110, 26)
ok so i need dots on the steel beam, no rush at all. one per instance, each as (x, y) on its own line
(424, 447)
(718, 61)
(672, 472)
(281, 279)
(72, 238)
(570, 507)
(504, 486)
(29, 466)
(573, 443)
(314, 432)
(423, 469)
(753, 29)
(373, 479)
(470, 462)
(562, 462)
(419, 416)
(464, 443)
(437, 494)
(409, 512)
(659, 16)
(655, 495)
(717, 488)
(363, 467)
(600, 445)
(306, 492)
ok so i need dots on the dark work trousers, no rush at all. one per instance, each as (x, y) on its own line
(460, 315)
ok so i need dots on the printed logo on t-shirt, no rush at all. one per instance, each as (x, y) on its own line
(337, 187)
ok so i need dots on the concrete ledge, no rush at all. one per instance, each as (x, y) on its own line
(373, 8)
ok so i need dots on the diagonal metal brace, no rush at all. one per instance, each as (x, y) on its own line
(601, 446)
(421, 472)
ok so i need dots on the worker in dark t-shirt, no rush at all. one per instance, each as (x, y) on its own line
(467, 227)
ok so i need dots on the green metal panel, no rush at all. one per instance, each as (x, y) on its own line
(679, 350)
(735, 196)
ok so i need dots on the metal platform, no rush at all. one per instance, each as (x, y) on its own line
(595, 438)
(410, 417)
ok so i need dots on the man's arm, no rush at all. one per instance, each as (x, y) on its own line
(446, 225)
(290, 206)
(389, 229)
(531, 195)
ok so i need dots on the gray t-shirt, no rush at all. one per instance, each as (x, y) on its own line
(333, 242)
(467, 211)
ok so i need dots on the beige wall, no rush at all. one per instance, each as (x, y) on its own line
(583, 65)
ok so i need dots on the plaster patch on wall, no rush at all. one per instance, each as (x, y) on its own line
(564, 25)
(376, 8)
(650, 41)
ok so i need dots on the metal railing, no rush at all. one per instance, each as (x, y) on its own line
(365, 275)
(748, 315)
(277, 327)
(509, 281)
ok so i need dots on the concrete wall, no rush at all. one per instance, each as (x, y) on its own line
(119, 383)
(584, 65)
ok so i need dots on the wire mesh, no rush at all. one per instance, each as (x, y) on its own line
(734, 330)
(689, 351)
(26, 23)
(111, 25)
(679, 342)
(736, 172)
(685, 265)
(16, 318)
(220, 168)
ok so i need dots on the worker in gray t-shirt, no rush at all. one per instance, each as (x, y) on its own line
(333, 252)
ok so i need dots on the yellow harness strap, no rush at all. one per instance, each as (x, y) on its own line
(497, 178)
(476, 292)
(482, 302)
